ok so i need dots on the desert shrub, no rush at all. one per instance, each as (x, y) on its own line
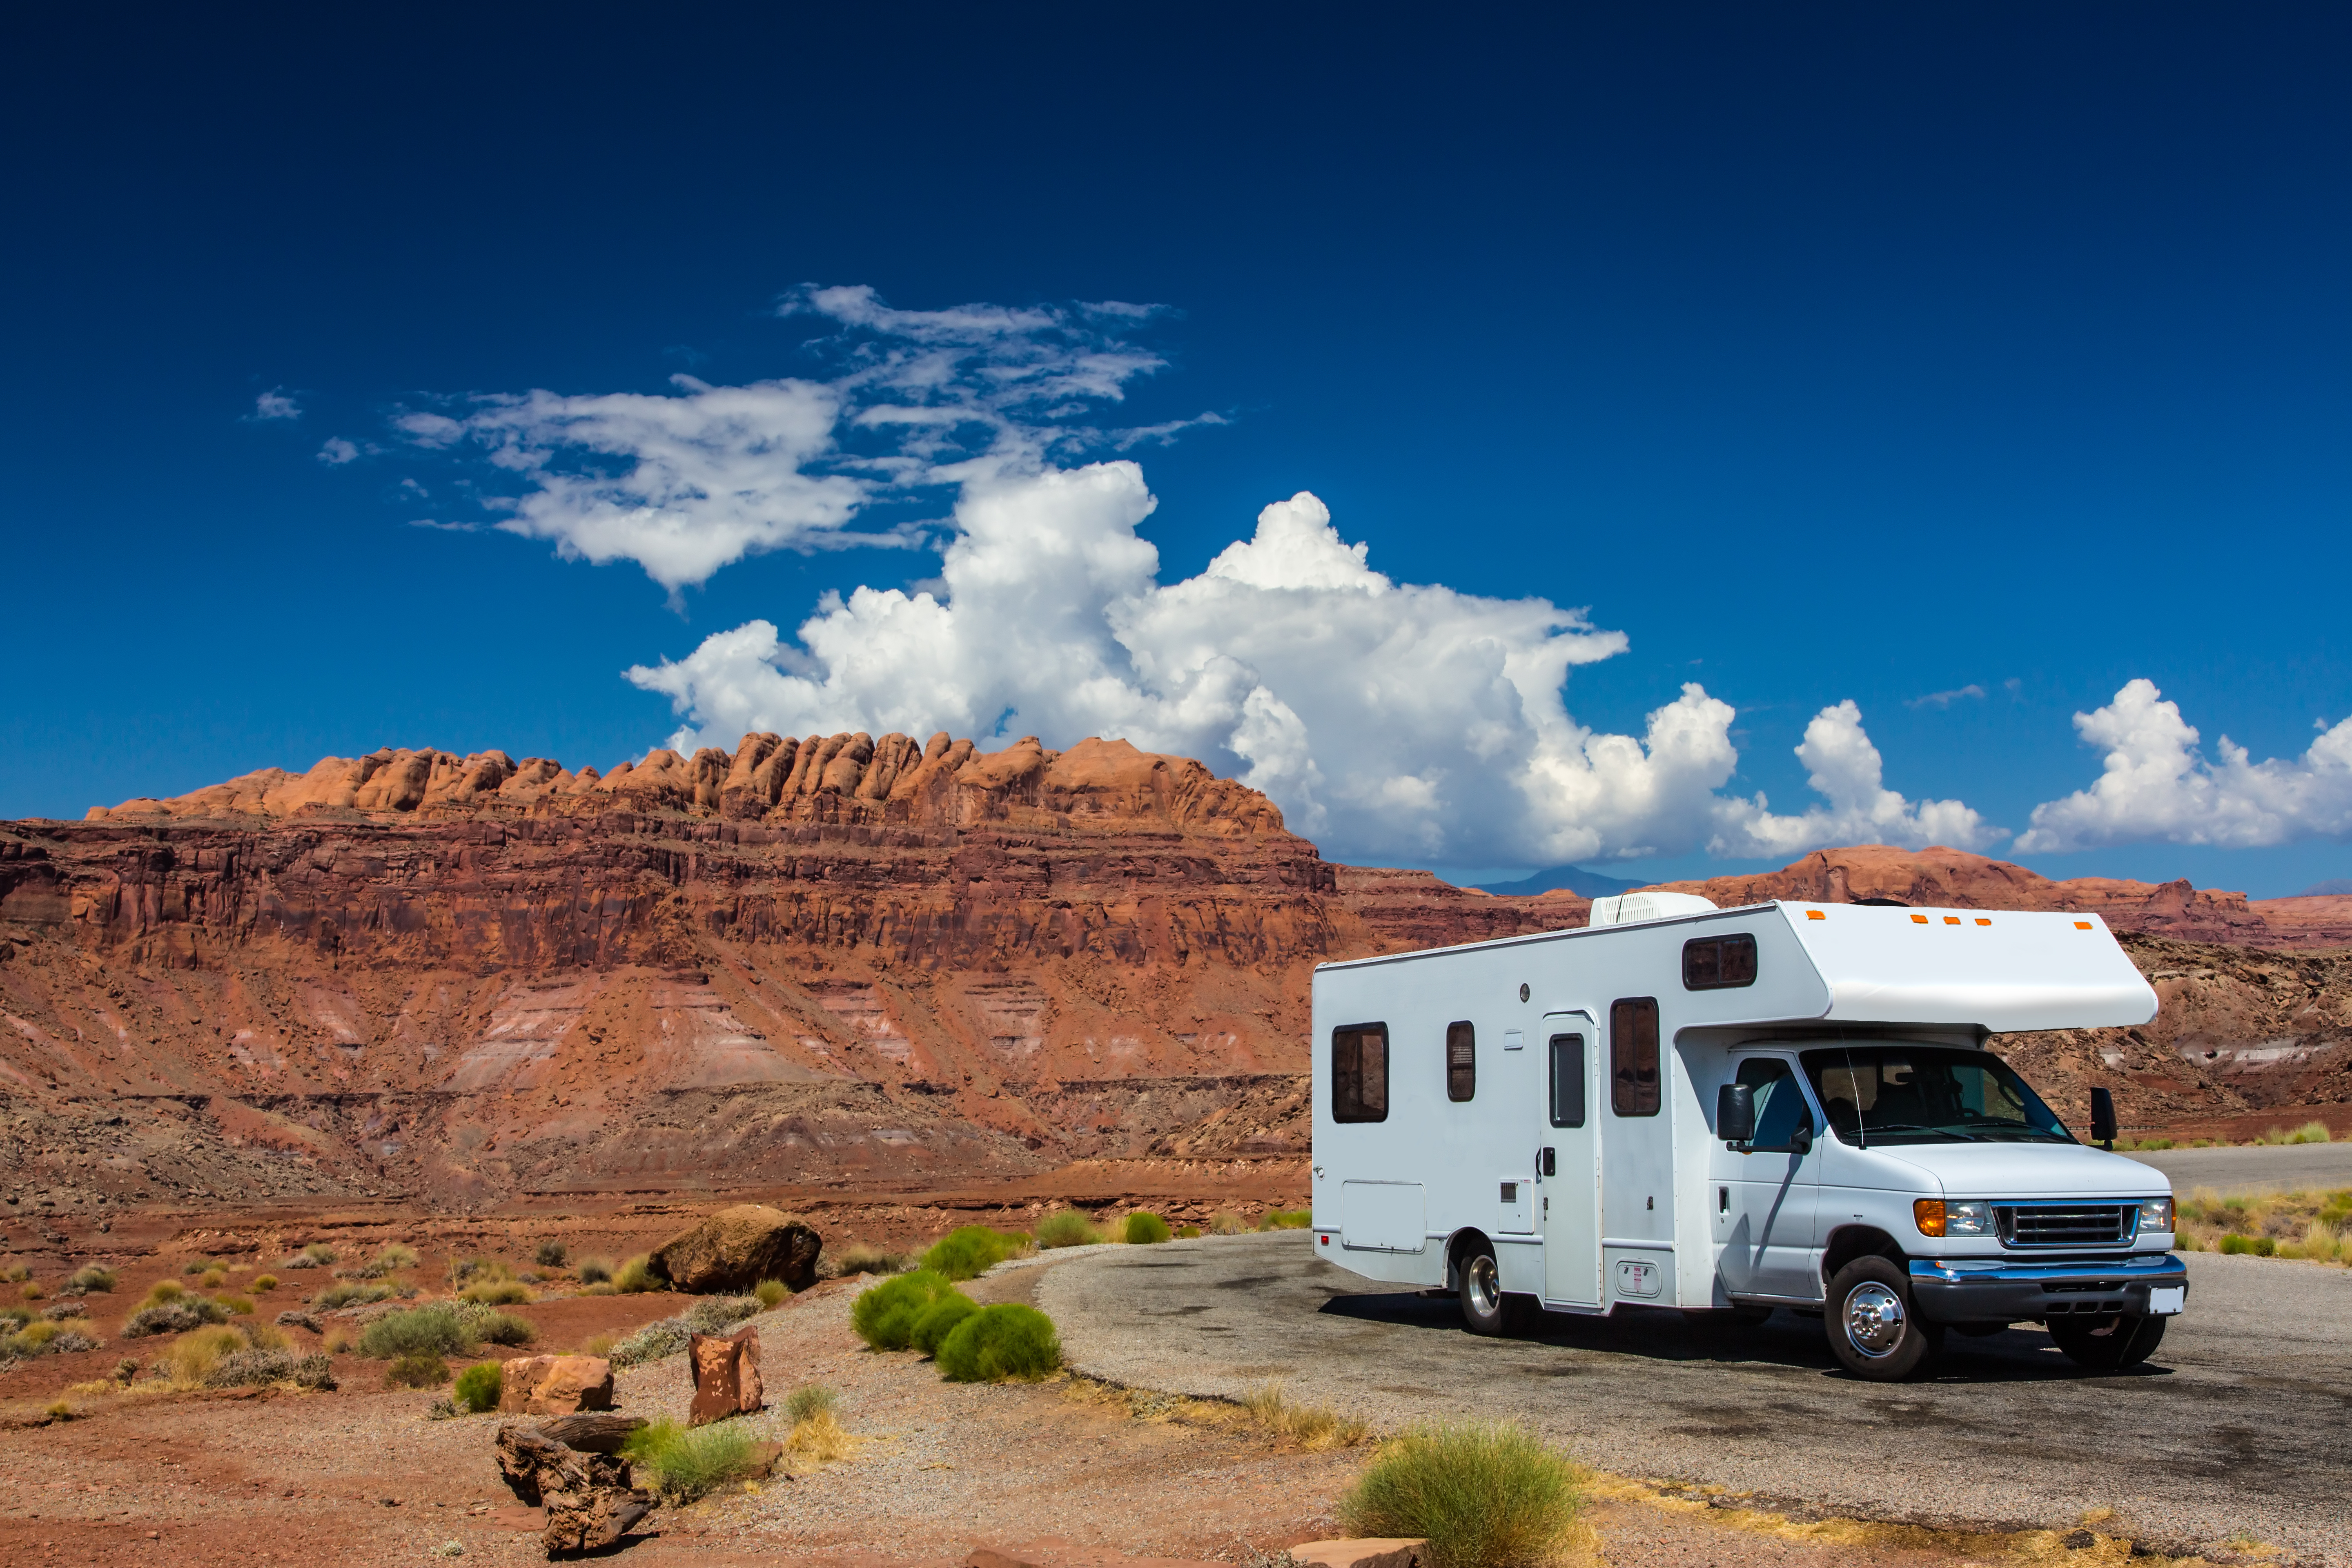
(1286, 1219)
(350, 1294)
(241, 1306)
(318, 1255)
(478, 1387)
(2309, 1133)
(163, 1290)
(715, 1314)
(652, 1342)
(1066, 1227)
(201, 1265)
(971, 1250)
(1145, 1229)
(2257, 1246)
(864, 1258)
(690, 1463)
(1186, 1232)
(74, 1308)
(264, 1337)
(770, 1293)
(637, 1276)
(820, 1437)
(497, 1293)
(551, 1255)
(265, 1282)
(1485, 1496)
(489, 1326)
(595, 1271)
(1225, 1222)
(420, 1369)
(395, 1254)
(194, 1354)
(15, 1274)
(435, 1331)
(90, 1276)
(1311, 1427)
(33, 1293)
(884, 1316)
(174, 1316)
(938, 1321)
(13, 1318)
(251, 1368)
(812, 1399)
(212, 1278)
(1000, 1343)
(126, 1369)
(337, 1340)
(602, 1287)
(598, 1344)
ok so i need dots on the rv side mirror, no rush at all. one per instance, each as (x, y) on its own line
(1801, 1140)
(1734, 1113)
(2103, 1118)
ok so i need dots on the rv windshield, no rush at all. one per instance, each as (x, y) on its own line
(1928, 1094)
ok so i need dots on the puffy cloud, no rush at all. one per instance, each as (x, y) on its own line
(1390, 720)
(338, 451)
(276, 404)
(2159, 785)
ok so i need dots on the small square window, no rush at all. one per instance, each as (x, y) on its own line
(1719, 963)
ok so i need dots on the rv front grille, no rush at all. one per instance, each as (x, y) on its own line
(2064, 1225)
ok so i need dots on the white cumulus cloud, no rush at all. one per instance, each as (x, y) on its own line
(276, 404)
(1846, 770)
(2157, 783)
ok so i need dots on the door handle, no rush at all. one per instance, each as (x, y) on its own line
(1548, 1161)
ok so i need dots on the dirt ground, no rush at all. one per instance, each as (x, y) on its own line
(1060, 1474)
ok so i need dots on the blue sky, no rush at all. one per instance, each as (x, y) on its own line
(1835, 355)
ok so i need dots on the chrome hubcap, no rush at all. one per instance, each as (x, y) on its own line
(1874, 1319)
(1486, 1288)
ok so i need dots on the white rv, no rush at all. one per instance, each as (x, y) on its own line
(1788, 1105)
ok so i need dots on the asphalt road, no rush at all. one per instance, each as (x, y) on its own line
(2262, 1168)
(2241, 1423)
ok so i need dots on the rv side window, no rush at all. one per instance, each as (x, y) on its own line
(1633, 1057)
(1568, 1080)
(1461, 1061)
(1359, 1072)
(1718, 962)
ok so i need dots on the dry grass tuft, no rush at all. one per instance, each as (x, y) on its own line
(820, 1437)
(1310, 1426)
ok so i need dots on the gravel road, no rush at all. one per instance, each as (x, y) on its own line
(2263, 1168)
(2237, 1427)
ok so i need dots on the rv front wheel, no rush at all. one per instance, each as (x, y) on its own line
(1483, 1307)
(1874, 1328)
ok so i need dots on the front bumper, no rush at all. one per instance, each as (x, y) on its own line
(1999, 1290)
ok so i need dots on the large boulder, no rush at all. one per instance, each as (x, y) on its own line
(555, 1385)
(726, 1371)
(737, 1248)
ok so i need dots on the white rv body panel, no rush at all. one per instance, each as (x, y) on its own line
(1651, 1209)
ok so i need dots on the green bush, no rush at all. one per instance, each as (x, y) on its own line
(665, 1337)
(970, 1251)
(497, 1293)
(174, 1315)
(492, 1328)
(1286, 1219)
(2254, 1246)
(770, 1293)
(595, 1271)
(1485, 1496)
(690, 1463)
(812, 1399)
(348, 1294)
(1146, 1229)
(435, 1330)
(90, 1276)
(637, 1276)
(480, 1385)
(939, 1319)
(551, 1255)
(1066, 1227)
(885, 1316)
(1006, 1340)
(421, 1370)
(1187, 1232)
(717, 1314)
(201, 1265)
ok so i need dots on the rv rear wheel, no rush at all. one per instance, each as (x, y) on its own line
(1874, 1328)
(2122, 1342)
(1484, 1306)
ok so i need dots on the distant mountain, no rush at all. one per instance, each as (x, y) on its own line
(2339, 888)
(1575, 878)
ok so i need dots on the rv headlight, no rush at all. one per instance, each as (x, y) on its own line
(1936, 1217)
(2155, 1214)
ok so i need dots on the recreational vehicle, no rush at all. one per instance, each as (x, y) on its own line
(1789, 1105)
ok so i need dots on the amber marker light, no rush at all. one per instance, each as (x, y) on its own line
(1815, 915)
(1951, 920)
(1918, 920)
(1929, 1213)
(1982, 922)
(2082, 925)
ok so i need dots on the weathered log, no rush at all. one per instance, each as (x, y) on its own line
(592, 1434)
(583, 1521)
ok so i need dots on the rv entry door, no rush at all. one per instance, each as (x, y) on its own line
(1765, 1194)
(1567, 1162)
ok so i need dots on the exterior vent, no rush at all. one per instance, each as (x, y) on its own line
(2066, 1225)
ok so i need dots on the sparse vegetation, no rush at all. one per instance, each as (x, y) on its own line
(971, 1250)
(265, 1282)
(598, 1345)
(239, 1306)
(1145, 1229)
(194, 1354)
(1310, 1426)
(201, 1266)
(863, 1258)
(395, 1254)
(33, 1291)
(939, 1319)
(717, 1314)
(2309, 1133)
(686, 1464)
(1066, 1227)
(1286, 1219)
(1007, 1340)
(637, 1276)
(89, 1277)
(1484, 1495)
(885, 1315)
(15, 1274)
(2315, 1226)
(551, 1255)
(421, 1369)
(1187, 1232)
(169, 1310)
(812, 1399)
(497, 1293)
(337, 1340)
(435, 1329)
(251, 1368)
(318, 1255)
(1226, 1223)
(478, 1387)
(821, 1437)
(652, 1342)
(595, 1271)
(350, 1293)
(771, 1292)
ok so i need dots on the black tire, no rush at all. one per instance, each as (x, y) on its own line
(2115, 1344)
(1875, 1328)
(1484, 1309)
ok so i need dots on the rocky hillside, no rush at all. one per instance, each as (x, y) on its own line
(832, 959)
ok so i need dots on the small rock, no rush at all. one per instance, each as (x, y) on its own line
(1369, 1552)
(555, 1385)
